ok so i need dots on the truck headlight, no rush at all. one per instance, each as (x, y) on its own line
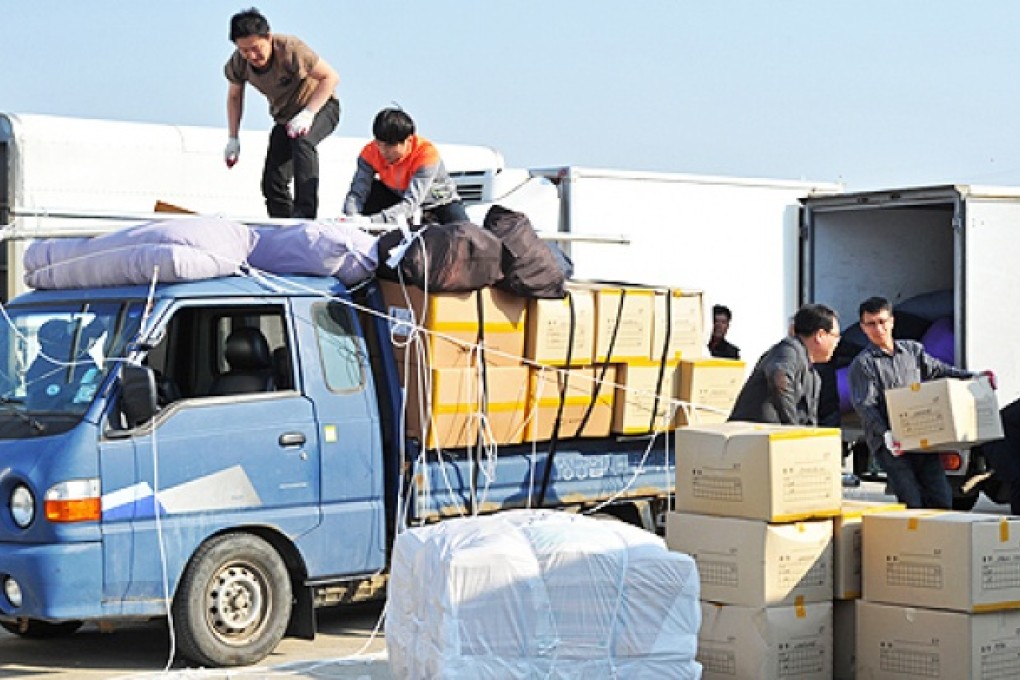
(22, 506)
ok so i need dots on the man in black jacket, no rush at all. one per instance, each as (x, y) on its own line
(784, 386)
(718, 346)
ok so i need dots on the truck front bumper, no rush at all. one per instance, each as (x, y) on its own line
(58, 582)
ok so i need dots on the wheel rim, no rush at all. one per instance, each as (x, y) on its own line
(238, 602)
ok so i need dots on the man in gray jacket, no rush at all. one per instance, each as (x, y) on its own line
(784, 386)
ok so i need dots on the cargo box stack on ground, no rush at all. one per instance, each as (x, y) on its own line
(753, 508)
(608, 359)
(941, 596)
(846, 581)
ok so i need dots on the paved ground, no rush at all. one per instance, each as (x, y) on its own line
(348, 646)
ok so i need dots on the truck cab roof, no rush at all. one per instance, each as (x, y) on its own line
(227, 286)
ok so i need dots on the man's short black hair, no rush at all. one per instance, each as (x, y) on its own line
(392, 126)
(247, 23)
(874, 305)
(722, 310)
(812, 318)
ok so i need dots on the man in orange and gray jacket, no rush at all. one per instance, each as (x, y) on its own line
(400, 173)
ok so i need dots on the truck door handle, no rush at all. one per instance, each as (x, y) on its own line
(292, 439)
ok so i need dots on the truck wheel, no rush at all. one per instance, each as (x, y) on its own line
(41, 630)
(233, 603)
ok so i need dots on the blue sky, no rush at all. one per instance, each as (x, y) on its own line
(871, 93)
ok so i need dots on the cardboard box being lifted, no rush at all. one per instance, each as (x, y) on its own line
(968, 562)
(754, 563)
(945, 413)
(766, 643)
(775, 473)
(896, 642)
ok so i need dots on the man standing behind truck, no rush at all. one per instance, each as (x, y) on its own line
(917, 479)
(718, 345)
(300, 88)
(784, 386)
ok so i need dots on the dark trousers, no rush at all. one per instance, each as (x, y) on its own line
(1003, 455)
(381, 197)
(918, 480)
(298, 160)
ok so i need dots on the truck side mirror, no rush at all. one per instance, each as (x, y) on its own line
(138, 394)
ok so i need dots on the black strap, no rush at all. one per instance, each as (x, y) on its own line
(554, 440)
(476, 455)
(662, 358)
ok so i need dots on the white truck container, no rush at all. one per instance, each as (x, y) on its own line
(734, 239)
(901, 243)
(59, 175)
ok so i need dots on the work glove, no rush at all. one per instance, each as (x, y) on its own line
(357, 220)
(300, 124)
(990, 375)
(232, 151)
(895, 448)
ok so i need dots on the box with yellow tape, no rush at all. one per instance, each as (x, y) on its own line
(587, 407)
(642, 388)
(464, 402)
(775, 473)
(443, 329)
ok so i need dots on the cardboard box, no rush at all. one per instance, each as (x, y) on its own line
(895, 642)
(682, 315)
(754, 563)
(946, 413)
(623, 321)
(844, 640)
(967, 562)
(710, 387)
(775, 473)
(457, 405)
(766, 643)
(635, 398)
(544, 387)
(449, 325)
(549, 334)
(846, 545)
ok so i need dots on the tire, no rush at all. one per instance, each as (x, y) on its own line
(41, 630)
(233, 603)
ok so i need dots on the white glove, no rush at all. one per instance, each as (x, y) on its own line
(232, 151)
(357, 220)
(300, 124)
(895, 448)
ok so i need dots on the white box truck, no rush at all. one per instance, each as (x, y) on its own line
(76, 176)
(958, 242)
(734, 239)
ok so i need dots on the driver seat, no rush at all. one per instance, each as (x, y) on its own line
(251, 365)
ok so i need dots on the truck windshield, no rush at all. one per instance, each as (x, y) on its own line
(54, 358)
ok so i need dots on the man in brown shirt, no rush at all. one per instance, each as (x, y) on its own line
(300, 88)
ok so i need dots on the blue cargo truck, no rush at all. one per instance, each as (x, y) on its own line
(230, 453)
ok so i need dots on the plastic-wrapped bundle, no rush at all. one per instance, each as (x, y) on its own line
(540, 593)
(185, 249)
(324, 248)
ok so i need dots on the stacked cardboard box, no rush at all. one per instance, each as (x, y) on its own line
(941, 596)
(754, 506)
(847, 570)
(459, 356)
(707, 390)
